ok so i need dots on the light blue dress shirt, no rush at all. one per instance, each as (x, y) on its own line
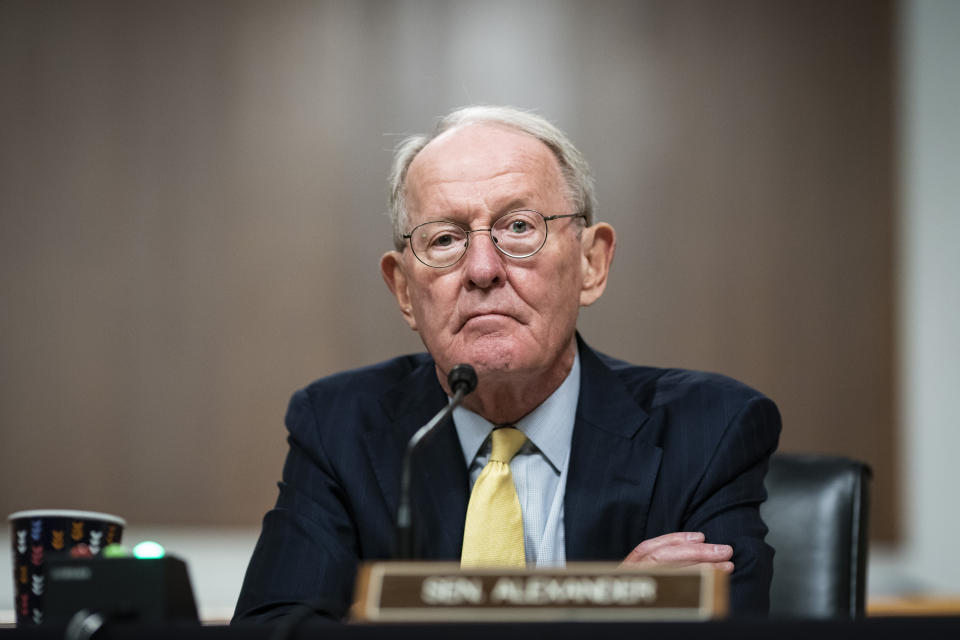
(539, 469)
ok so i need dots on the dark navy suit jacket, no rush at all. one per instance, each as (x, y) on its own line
(653, 451)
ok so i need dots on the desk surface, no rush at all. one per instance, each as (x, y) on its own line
(894, 628)
(914, 606)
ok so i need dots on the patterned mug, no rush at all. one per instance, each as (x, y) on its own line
(41, 532)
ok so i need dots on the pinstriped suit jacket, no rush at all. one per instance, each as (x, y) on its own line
(653, 451)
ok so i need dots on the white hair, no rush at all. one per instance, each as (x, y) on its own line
(573, 165)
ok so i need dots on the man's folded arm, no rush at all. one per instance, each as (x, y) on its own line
(726, 507)
(722, 525)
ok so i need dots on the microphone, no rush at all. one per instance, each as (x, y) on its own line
(462, 380)
(463, 377)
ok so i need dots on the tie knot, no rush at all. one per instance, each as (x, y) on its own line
(506, 442)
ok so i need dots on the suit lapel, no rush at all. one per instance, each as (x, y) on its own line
(612, 468)
(439, 478)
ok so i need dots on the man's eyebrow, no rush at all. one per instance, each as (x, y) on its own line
(443, 217)
(514, 204)
(511, 205)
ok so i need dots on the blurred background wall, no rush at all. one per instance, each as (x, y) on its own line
(192, 201)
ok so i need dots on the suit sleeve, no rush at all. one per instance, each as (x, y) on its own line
(307, 550)
(726, 503)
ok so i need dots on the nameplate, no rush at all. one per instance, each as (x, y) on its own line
(442, 592)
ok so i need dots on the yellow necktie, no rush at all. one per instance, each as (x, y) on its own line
(493, 531)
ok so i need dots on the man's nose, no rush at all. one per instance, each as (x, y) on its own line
(483, 265)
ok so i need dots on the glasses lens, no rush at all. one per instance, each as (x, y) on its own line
(438, 244)
(520, 233)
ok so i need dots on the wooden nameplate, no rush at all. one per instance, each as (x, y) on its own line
(588, 591)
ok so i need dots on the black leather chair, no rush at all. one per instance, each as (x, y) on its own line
(817, 512)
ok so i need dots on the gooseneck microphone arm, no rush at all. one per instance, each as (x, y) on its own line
(462, 380)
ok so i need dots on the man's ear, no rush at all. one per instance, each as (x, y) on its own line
(392, 270)
(598, 245)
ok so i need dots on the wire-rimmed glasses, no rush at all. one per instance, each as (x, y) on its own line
(517, 234)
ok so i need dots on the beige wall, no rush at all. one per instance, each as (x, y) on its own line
(191, 200)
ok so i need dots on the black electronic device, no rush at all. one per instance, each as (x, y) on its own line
(129, 589)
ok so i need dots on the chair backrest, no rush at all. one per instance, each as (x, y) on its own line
(817, 512)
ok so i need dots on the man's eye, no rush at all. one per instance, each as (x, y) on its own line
(519, 226)
(443, 240)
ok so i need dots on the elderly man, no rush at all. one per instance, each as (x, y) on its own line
(496, 251)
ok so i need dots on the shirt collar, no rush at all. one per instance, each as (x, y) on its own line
(549, 427)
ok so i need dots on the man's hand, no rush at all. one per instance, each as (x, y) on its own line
(680, 549)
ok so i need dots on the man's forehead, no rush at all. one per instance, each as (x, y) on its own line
(484, 154)
(476, 137)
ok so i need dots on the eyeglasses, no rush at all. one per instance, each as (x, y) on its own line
(517, 234)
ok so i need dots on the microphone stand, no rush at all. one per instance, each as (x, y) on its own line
(463, 380)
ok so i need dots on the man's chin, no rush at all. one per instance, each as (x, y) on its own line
(490, 354)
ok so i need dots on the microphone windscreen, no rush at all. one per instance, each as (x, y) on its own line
(462, 377)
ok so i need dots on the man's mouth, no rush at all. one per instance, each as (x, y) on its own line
(485, 316)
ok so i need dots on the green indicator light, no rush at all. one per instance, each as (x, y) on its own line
(148, 550)
(115, 551)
